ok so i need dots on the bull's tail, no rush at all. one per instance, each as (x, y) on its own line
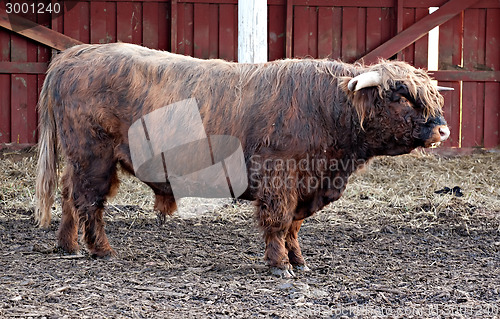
(46, 180)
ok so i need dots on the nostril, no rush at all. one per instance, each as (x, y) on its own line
(444, 131)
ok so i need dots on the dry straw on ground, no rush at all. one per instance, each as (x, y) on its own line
(398, 189)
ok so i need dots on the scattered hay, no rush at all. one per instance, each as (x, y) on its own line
(401, 190)
(392, 190)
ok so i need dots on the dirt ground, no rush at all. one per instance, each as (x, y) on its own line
(391, 248)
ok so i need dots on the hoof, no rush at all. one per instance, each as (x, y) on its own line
(302, 268)
(283, 273)
(67, 252)
(106, 255)
(161, 218)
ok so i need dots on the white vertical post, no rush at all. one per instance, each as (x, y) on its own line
(252, 31)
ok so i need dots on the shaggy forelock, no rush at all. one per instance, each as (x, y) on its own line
(418, 82)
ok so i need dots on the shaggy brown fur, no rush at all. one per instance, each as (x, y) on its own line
(284, 113)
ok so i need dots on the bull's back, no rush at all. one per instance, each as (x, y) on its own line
(103, 89)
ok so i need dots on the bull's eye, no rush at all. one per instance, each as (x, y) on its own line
(403, 100)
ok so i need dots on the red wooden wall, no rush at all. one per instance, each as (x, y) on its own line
(469, 57)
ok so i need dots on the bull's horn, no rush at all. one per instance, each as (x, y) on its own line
(364, 80)
(444, 88)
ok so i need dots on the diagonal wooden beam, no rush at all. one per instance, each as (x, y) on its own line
(289, 29)
(417, 30)
(36, 32)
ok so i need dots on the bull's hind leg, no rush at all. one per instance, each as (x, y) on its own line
(91, 187)
(93, 223)
(67, 235)
(164, 205)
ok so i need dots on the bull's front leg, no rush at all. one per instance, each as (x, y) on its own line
(293, 247)
(276, 254)
(275, 220)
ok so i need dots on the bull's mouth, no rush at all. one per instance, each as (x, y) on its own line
(440, 133)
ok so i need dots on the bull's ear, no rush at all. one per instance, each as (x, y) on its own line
(364, 80)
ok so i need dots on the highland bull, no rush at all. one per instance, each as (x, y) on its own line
(282, 112)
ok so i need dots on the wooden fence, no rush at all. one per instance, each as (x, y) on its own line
(469, 36)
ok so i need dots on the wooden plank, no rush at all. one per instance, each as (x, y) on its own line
(44, 54)
(201, 30)
(213, 31)
(5, 89)
(98, 19)
(110, 22)
(450, 43)
(301, 31)
(136, 21)
(276, 27)
(469, 119)
(439, 3)
(449, 57)
(478, 76)
(210, 1)
(481, 43)
(418, 30)
(32, 83)
(400, 17)
(185, 29)
(361, 33)
(387, 26)
(179, 29)
(492, 90)
(118, 1)
(173, 27)
(491, 115)
(84, 18)
(36, 32)
(325, 32)
(373, 28)
(164, 25)
(312, 43)
(150, 20)
(470, 106)
(336, 33)
(289, 29)
(236, 33)
(5, 108)
(487, 4)
(189, 29)
(451, 110)
(348, 3)
(349, 34)
(408, 53)
(19, 108)
(125, 22)
(58, 23)
(421, 45)
(227, 32)
(77, 21)
(23, 67)
(19, 91)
